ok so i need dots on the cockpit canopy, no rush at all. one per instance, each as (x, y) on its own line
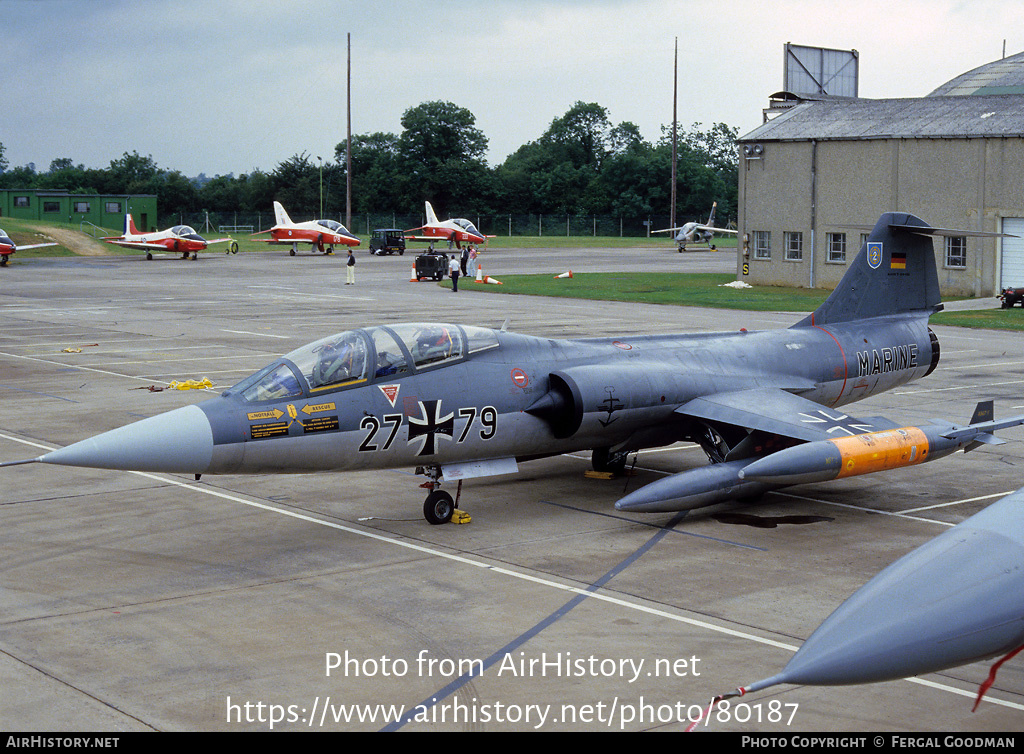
(335, 227)
(467, 226)
(184, 231)
(358, 357)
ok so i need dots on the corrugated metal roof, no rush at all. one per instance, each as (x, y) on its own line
(923, 118)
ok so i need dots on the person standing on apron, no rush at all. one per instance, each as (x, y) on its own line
(453, 271)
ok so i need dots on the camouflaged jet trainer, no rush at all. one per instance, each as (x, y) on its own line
(457, 402)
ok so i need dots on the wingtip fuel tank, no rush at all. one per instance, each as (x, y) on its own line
(866, 453)
(814, 461)
(696, 488)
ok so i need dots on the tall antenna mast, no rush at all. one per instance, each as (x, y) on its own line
(675, 91)
(348, 143)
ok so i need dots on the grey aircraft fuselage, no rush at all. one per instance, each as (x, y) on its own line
(617, 393)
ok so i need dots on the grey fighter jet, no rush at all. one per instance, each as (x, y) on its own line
(955, 600)
(457, 402)
(697, 232)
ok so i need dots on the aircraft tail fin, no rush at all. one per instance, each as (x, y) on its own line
(894, 272)
(711, 217)
(280, 216)
(983, 424)
(129, 226)
(983, 412)
(431, 217)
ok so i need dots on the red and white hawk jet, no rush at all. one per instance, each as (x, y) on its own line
(181, 238)
(324, 234)
(456, 230)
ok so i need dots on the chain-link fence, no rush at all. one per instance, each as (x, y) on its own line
(493, 225)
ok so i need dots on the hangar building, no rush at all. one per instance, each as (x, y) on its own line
(954, 158)
(104, 210)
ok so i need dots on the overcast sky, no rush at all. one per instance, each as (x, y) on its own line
(228, 86)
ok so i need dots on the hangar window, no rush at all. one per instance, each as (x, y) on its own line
(80, 207)
(21, 201)
(51, 206)
(794, 246)
(112, 208)
(762, 244)
(956, 251)
(837, 247)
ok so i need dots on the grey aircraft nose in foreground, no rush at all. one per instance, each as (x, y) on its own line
(955, 600)
(458, 402)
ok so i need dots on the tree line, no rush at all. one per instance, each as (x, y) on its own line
(583, 164)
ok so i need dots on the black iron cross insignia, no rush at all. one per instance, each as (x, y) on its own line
(431, 424)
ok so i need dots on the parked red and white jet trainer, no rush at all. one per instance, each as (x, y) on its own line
(8, 247)
(181, 238)
(455, 230)
(324, 234)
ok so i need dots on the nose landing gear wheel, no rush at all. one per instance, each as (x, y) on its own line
(438, 507)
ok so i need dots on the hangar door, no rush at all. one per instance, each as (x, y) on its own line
(1012, 254)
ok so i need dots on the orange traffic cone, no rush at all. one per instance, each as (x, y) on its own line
(564, 275)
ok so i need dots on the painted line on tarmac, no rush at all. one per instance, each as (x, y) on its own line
(260, 334)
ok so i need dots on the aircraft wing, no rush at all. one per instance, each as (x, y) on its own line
(21, 247)
(713, 229)
(219, 240)
(781, 413)
(136, 245)
(286, 242)
(668, 230)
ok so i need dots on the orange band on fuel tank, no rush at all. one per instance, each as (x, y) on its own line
(878, 451)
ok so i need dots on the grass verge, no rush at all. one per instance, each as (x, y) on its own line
(991, 319)
(677, 289)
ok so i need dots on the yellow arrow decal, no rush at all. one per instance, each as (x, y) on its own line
(318, 407)
(273, 414)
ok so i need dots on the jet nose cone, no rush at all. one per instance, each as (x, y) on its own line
(954, 600)
(177, 441)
